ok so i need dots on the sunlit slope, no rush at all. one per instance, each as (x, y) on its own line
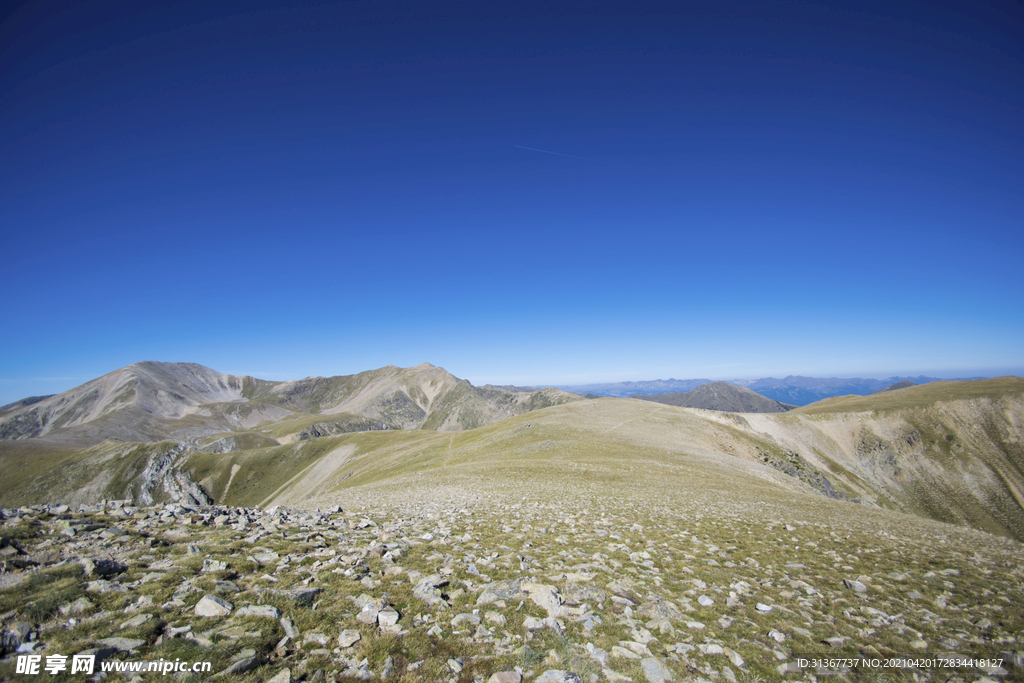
(949, 456)
(151, 401)
(952, 451)
(920, 396)
(604, 445)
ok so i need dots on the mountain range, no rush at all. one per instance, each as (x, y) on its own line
(720, 396)
(793, 390)
(152, 401)
(952, 451)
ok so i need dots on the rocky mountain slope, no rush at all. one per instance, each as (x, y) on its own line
(720, 396)
(555, 573)
(150, 401)
(950, 451)
(611, 538)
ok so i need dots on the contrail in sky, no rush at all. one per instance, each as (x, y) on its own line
(571, 156)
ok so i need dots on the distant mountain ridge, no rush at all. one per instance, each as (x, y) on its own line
(152, 401)
(721, 396)
(646, 388)
(792, 390)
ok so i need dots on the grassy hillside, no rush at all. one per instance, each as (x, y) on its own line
(919, 396)
(953, 452)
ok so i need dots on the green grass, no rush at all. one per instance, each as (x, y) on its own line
(39, 597)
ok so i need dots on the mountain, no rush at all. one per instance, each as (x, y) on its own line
(802, 391)
(904, 384)
(950, 450)
(865, 525)
(151, 401)
(627, 389)
(721, 396)
(792, 390)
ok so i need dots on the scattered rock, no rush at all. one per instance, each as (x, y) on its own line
(241, 666)
(268, 611)
(558, 676)
(284, 676)
(213, 606)
(348, 638)
(505, 677)
(655, 670)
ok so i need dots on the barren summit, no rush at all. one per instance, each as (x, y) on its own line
(403, 524)
(721, 396)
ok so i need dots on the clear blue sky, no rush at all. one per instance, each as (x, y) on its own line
(727, 189)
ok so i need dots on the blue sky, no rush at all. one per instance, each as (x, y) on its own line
(733, 190)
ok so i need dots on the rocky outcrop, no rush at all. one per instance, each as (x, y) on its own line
(160, 474)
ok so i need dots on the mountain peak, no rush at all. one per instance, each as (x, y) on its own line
(721, 396)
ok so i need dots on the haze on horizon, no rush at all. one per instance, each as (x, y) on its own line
(520, 193)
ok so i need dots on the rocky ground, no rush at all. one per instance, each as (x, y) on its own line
(443, 585)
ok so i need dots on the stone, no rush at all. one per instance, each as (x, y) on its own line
(241, 666)
(213, 606)
(123, 644)
(500, 590)
(546, 597)
(465, 619)
(214, 565)
(104, 586)
(558, 676)
(388, 616)
(761, 607)
(315, 638)
(79, 606)
(734, 657)
(857, 586)
(660, 609)
(428, 589)
(368, 615)
(284, 676)
(576, 593)
(289, 628)
(533, 623)
(266, 558)
(655, 670)
(135, 621)
(705, 601)
(267, 611)
(101, 568)
(300, 596)
(348, 638)
(505, 677)
(777, 636)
